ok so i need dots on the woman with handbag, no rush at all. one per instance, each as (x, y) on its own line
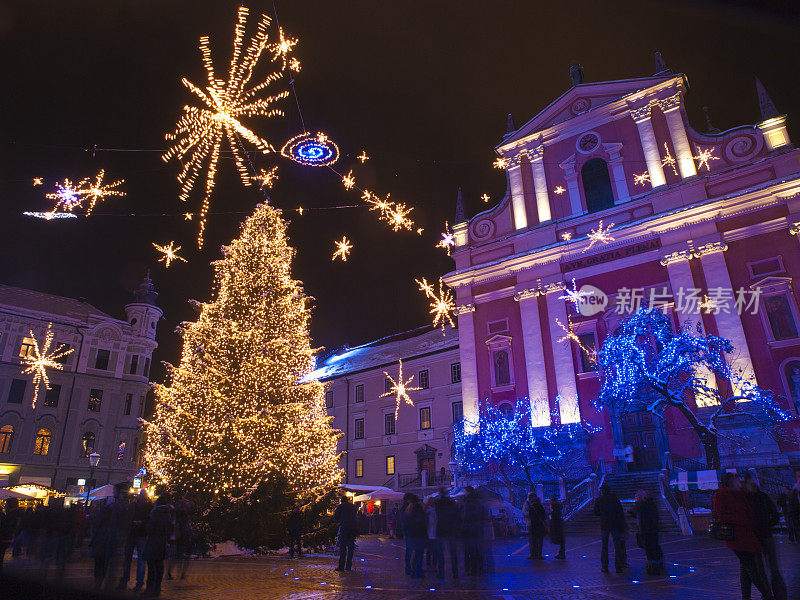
(734, 522)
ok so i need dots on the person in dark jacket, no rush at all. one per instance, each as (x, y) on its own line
(184, 538)
(402, 522)
(646, 513)
(417, 525)
(159, 528)
(9, 523)
(472, 531)
(766, 517)
(102, 540)
(557, 528)
(294, 529)
(792, 512)
(448, 526)
(731, 506)
(136, 538)
(345, 514)
(612, 522)
(536, 517)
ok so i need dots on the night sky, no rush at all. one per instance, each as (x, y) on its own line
(423, 87)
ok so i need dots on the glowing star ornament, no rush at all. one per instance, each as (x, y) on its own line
(343, 248)
(266, 178)
(94, 191)
(397, 217)
(571, 335)
(442, 303)
(37, 181)
(448, 239)
(669, 160)
(400, 389)
(500, 163)
(707, 304)
(485, 197)
(641, 179)
(281, 49)
(703, 157)
(559, 190)
(300, 210)
(187, 216)
(311, 150)
(348, 180)
(566, 236)
(41, 359)
(66, 196)
(363, 157)
(223, 103)
(170, 254)
(574, 295)
(600, 235)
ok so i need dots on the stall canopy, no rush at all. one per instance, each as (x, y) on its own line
(697, 480)
(104, 491)
(382, 493)
(6, 494)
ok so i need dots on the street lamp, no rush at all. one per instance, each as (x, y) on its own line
(94, 459)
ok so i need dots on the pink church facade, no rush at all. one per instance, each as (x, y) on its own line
(690, 218)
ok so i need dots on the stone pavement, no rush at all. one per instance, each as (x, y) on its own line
(697, 568)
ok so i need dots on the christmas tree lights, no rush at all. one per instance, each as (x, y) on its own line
(42, 359)
(238, 407)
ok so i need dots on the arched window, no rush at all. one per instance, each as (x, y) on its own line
(597, 185)
(42, 445)
(6, 437)
(88, 443)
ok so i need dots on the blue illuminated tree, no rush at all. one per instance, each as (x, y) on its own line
(646, 365)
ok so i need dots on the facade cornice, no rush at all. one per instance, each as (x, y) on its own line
(710, 248)
(676, 257)
(795, 228)
(527, 293)
(464, 308)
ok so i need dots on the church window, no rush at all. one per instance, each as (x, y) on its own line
(597, 188)
(6, 437)
(502, 373)
(780, 316)
(42, 445)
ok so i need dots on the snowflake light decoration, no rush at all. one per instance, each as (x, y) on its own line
(201, 129)
(170, 254)
(703, 157)
(641, 179)
(448, 239)
(66, 196)
(400, 389)
(311, 150)
(559, 190)
(41, 360)
(348, 180)
(187, 216)
(573, 295)
(95, 191)
(569, 334)
(397, 217)
(363, 157)
(566, 236)
(37, 181)
(266, 178)
(500, 163)
(669, 160)
(442, 303)
(343, 248)
(485, 197)
(599, 236)
(281, 49)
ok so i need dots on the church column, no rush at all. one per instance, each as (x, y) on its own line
(618, 171)
(534, 356)
(469, 364)
(641, 116)
(540, 185)
(517, 194)
(566, 388)
(571, 177)
(729, 324)
(677, 132)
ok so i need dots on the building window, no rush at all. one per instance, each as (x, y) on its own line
(358, 429)
(26, 349)
(502, 370)
(141, 406)
(17, 391)
(387, 386)
(95, 400)
(455, 373)
(425, 417)
(780, 316)
(146, 371)
(88, 443)
(135, 453)
(587, 341)
(458, 411)
(134, 364)
(388, 424)
(328, 398)
(597, 188)
(360, 392)
(6, 437)
(359, 467)
(128, 402)
(101, 362)
(121, 450)
(390, 465)
(424, 380)
(51, 395)
(42, 445)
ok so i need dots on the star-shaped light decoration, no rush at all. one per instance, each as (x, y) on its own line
(669, 160)
(448, 239)
(599, 236)
(641, 179)
(95, 191)
(707, 304)
(170, 254)
(266, 178)
(43, 359)
(398, 217)
(703, 157)
(400, 389)
(500, 163)
(294, 65)
(281, 48)
(348, 181)
(66, 196)
(363, 157)
(569, 334)
(559, 190)
(485, 197)
(573, 295)
(187, 216)
(442, 303)
(343, 248)
(566, 236)
(37, 181)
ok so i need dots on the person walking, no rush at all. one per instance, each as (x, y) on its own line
(294, 529)
(159, 531)
(646, 513)
(557, 528)
(430, 545)
(448, 525)
(792, 513)
(417, 526)
(732, 508)
(9, 524)
(612, 523)
(472, 532)
(536, 518)
(345, 514)
(135, 540)
(766, 517)
(184, 537)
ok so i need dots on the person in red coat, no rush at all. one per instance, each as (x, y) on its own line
(731, 506)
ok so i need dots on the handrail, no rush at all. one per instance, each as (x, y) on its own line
(672, 503)
(578, 497)
(683, 463)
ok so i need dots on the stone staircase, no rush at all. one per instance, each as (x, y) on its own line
(625, 487)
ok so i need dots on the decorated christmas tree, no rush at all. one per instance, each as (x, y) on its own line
(238, 409)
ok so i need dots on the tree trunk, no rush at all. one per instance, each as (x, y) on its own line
(708, 438)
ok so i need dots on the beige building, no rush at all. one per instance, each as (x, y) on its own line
(93, 403)
(411, 451)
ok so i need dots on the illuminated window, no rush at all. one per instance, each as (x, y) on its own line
(360, 392)
(359, 467)
(6, 437)
(597, 188)
(128, 402)
(425, 417)
(95, 400)
(101, 362)
(390, 465)
(329, 399)
(458, 411)
(358, 429)
(424, 380)
(88, 443)
(455, 373)
(388, 424)
(16, 391)
(42, 444)
(134, 364)
(51, 395)
(26, 349)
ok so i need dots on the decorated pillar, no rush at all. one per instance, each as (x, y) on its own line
(677, 132)
(517, 193)
(469, 364)
(566, 388)
(571, 177)
(534, 356)
(641, 117)
(618, 171)
(540, 185)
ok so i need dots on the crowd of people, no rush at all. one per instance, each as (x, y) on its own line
(117, 528)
